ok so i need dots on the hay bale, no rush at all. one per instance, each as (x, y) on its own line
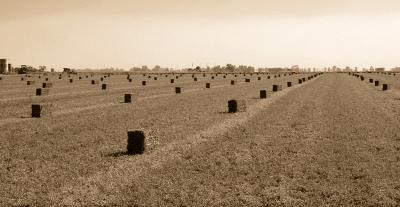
(289, 84)
(47, 85)
(128, 98)
(103, 86)
(362, 78)
(376, 83)
(101, 79)
(268, 77)
(143, 83)
(208, 85)
(36, 110)
(371, 80)
(130, 79)
(300, 81)
(177, 90)
(224, 76)
(172, 80)
(59, 77)
(71, 80)
(212, 77)
(304, 79)
(263, 94)
(42, 91)
(155, 78)
(136, 142)
(276, 88)
(259, 78)
(232, 82)
(385, 87)
(236, 106)
(247, 80)
(46, 79)
(95, 82)
(195, 79)
(30, 82)
(22, 79)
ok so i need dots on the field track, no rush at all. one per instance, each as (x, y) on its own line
(334, 141)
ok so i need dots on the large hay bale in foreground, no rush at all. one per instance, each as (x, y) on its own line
(36, 110)
(263, 94)
(128, 98)
(236, 106)
(385, 87)
(178, 90)
(136, 142)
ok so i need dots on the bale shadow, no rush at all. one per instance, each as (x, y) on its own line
(117, 154)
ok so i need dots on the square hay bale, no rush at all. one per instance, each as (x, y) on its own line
(36, 110)
(289, 84)
(172, 80)
(385, 87)
(71, 80)
(276, 88)
(263, 94)
(376, 83)
(95, 82)
(362, 78)
(101, 79)
(46, 79)
(212, 77)
(47, 85)
(143, 83)
(155, 78)
(309, 78)
(177, 77)
(178, 90)
(30, 83)
(268, 77)
(59, 77)
(195, 79)
(232, 82)
(235, 76)
(42, 91)
(304, 79)
(259, 78)
(130, 80)
(224, 76)
(128, 98)
(136, 142)
(371, 80)
(80, 78)
(236, 106)
(204, 75)
(208, 85)
(247, 80)
(103, 86)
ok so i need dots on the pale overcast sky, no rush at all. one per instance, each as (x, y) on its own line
(179, 33)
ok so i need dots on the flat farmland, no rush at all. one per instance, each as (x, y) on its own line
(331, 141)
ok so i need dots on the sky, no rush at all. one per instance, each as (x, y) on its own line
(182, 33)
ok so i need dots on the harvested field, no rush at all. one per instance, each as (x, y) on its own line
(332, 140)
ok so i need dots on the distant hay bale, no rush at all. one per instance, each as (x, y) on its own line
(304, 79)
(236, 106)
(128, 98)
(172, 80)
(232, 82)
(136, 142)
(103, 86)
(208, 85)
(155, 78)
(59, 77)
(259, 78)
(177, 90)
(80, 77)
(224, 76)
(46, 79)
(376, 83)
(101, 79)
(22, 79)
(212, 77)
(42, 91)
(195, 79)
(143, 83)
(71, 80)
(36, 110)
(263, 94)
(289, 84)
(385, 87)
(47, 85)
(276, 88)
(235, 75)
(362, 78)
(130, 79)
(30, 82)
(204, 75)
(371, 80)
(268, 77)
(247, 80)
(95, 82)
